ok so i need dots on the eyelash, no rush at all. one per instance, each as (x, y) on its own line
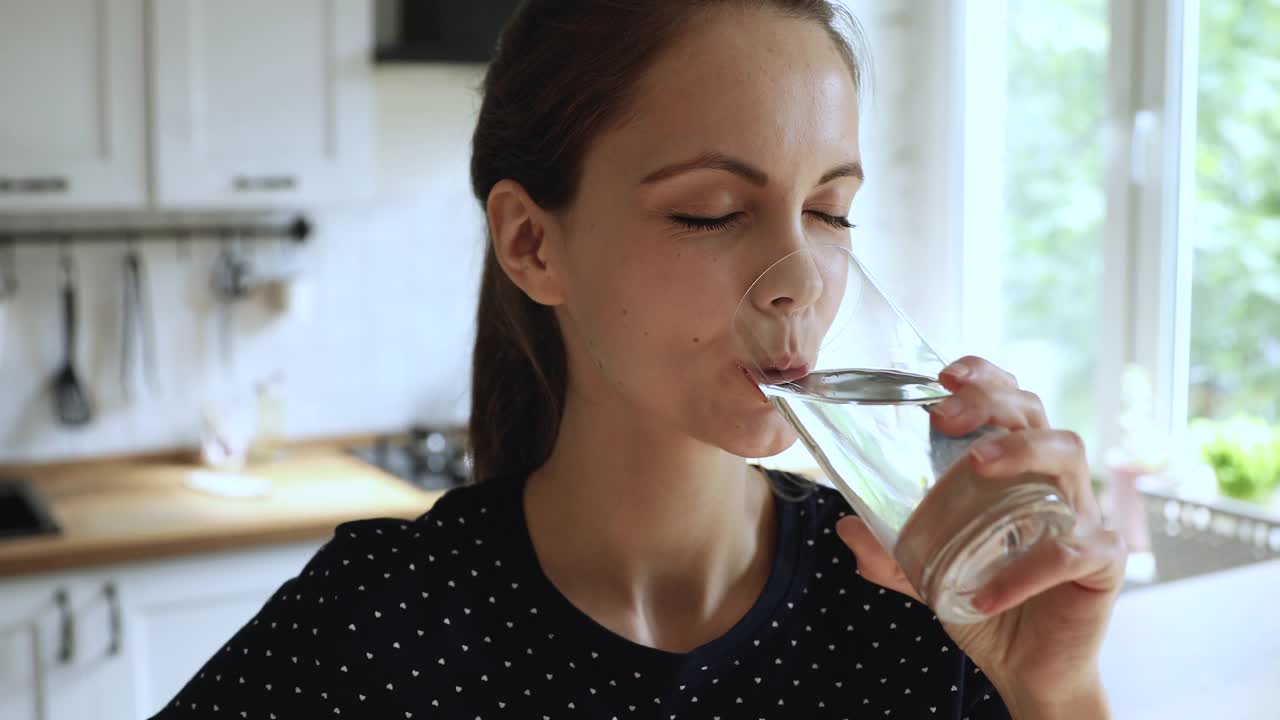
(724, 223)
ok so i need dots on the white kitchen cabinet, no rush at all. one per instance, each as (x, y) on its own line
(62, 649)
(260, 104)
(182, 611)
(73, 124)
(25, 610)
(116, 643)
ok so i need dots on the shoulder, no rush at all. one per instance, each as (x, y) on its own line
(346, 621)
(387, 551)
(466, 504)
(453, 510)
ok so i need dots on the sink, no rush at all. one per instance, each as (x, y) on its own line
(22, 511)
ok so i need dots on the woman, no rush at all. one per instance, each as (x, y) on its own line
(640, 164)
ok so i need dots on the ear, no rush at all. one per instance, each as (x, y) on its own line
(525, 242)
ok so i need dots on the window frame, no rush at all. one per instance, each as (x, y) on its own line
(1148, 185)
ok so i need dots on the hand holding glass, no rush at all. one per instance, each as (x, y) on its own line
(854, 378)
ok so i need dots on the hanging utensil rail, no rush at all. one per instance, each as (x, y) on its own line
(297, 230)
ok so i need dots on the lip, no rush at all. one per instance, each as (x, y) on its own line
(781, 375)
(751, 380)
(777, 371)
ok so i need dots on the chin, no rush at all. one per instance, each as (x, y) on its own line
(757, 437)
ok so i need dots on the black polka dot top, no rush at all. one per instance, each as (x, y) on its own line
(450, 616)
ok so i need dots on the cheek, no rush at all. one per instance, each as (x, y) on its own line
(836, 287)
(668, 304)
(662, 342)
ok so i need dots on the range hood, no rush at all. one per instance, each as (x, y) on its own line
(439, 30)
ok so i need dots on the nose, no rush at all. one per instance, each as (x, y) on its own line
(790, 286)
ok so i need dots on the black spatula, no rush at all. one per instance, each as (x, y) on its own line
(70, 401)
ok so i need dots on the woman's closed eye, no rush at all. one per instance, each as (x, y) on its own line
(724, 222)
(707, 224)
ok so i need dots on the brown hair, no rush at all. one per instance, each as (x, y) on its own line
(563, 70)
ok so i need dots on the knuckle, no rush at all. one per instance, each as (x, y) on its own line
(1074, 441)
(1113, 542)
(1030, 399)
(989, 371)
(1121, 549)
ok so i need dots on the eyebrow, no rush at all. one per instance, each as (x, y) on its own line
(719, 161)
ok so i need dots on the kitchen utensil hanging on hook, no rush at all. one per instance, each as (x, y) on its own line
(8, 286)
(138, 327)
(8, 269)
(230, 286)
(71, 402)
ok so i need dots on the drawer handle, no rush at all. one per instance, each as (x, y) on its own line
(34, 185)
(116, 618)
(67, 628)
(264, 183)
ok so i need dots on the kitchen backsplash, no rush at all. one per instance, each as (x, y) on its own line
(382, 340)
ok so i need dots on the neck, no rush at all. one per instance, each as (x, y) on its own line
(652, 533)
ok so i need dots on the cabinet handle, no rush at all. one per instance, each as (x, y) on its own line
(116, 618)
(34, 185)
(264, 183)
(67, 628)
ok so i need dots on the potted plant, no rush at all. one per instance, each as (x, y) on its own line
(1244, 453)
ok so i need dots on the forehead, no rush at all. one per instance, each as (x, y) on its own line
(751, 83)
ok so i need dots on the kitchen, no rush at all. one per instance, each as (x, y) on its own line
(263, 214)
(353, 266)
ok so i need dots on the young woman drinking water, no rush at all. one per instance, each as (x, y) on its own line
(640, 164)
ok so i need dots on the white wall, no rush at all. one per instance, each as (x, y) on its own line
(908, 212)
(386, 341)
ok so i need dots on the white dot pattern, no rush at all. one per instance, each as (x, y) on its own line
(450, 616)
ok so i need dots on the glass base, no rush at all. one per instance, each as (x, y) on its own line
(1021, 517)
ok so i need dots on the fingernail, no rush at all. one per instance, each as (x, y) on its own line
(957, 370)
(987, 451)
(983, 602)
(949, 407)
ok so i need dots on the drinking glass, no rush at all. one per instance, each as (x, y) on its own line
(855, 379)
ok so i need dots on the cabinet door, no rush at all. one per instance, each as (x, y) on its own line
(63, 655)
(93, 678)
(72, 129)
(25, 611)
(260, 104)
(182, 612)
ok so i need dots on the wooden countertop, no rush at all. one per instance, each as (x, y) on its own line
(124, 510)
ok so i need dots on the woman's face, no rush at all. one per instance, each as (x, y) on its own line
(739, 148)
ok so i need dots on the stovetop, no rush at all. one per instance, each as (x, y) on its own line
(433, 458)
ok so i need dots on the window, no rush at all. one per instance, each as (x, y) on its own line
(1120, 180)
(1035, 200)
(1054, 201)
(1234, 355)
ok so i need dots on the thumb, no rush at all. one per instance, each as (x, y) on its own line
(874, 562)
